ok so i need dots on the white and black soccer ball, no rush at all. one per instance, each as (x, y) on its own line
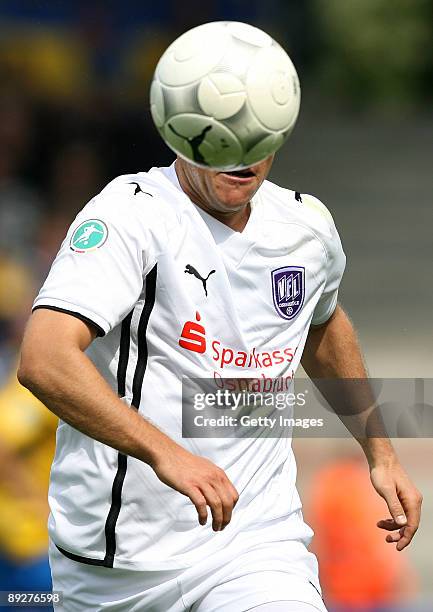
(225, 95)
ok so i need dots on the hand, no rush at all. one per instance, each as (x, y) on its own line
(403, 500)
(202, 481)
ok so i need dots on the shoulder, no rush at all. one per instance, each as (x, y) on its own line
(134, 191)
(137, 200)
(289, 206)
(316, 207)
(135, 186)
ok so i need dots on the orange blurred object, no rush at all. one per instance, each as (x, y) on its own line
(357, 566)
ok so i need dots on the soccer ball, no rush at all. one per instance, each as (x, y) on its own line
(225, 95)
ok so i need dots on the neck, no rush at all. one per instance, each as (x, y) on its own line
(235, 219)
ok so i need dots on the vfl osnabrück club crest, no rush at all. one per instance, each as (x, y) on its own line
(288, 290)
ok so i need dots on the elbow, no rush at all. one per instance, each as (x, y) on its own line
(29, 374)
(24, 375)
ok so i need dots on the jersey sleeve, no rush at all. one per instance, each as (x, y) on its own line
(335, 262)
(98, 272)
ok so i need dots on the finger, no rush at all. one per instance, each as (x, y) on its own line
(228, 495)
(388, 524)
(215, 504)
(395, 508)
(412, 504)
(393, 537)
(402, 537)
(228, 485)
(226, 507)
(227, 501)
(199, 502)
(408, 533)
(234, 494)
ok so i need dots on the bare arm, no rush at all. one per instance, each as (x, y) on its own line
(58, 372)
(332, 351)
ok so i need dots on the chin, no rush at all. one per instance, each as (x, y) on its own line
(234, 203)
(233, 199)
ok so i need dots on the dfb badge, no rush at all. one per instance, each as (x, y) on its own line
(288, 290)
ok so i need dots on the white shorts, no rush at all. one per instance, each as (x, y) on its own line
(272, 572)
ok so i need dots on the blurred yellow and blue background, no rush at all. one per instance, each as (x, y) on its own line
(74, 113)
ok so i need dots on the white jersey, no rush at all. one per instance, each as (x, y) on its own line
(173, 293)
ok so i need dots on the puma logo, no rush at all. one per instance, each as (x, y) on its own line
(191, 270)
(138, 189)
(194, 142)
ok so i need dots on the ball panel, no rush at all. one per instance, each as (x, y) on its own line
(157, 104)
(221, 95)
(203, 141)
(249, 34)
(193, 54)
(179, 100)
(265, 147)
(280, 88)
(272, 88)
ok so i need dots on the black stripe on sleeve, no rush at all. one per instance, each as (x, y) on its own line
(125, 341)
(122, 460)
(113, 514)
(141, 334)
(140, 368)
(99, 331)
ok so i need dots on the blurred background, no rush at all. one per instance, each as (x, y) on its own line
(74, 113)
